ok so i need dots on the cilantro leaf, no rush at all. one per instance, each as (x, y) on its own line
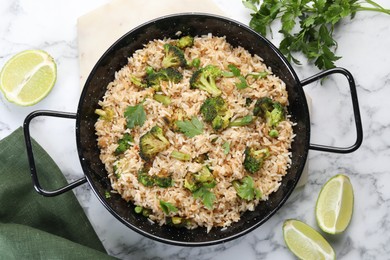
(167, 207)
(246, 189)
(190, 128)
(135, 116)
(226, 147)
(206, 196)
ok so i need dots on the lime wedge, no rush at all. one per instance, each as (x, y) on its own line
(335, 205)
(305, 242)
(28, 77)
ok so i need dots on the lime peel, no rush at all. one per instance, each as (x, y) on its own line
(28, 77)
(334, 207)
(305, 242)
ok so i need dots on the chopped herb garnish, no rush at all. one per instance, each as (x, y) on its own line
(206, 196)
(307, 26)
(107, 194)
(135, 116)
(226, 147)
(246, 189)
(190, 128)
(167, 207)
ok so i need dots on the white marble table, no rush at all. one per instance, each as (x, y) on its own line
(364, 44)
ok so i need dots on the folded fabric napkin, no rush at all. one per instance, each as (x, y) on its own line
(37, 227)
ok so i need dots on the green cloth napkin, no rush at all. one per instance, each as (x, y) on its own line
(33, 226)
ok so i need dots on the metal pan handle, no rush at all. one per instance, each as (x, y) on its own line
(30, 154)
(356, 112)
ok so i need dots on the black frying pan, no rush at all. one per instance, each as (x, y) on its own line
(116, 57)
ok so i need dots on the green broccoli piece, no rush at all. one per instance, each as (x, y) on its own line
(139, 82)
(254, 159)
(215, 111)
(220, 122)
(203, 178)
(152, 143)
(246, 120)
(124, 143)
(190, 183)
(154, 180)
(272, 111)
(195, 63)
(174, 57)
(171, 74)
(163, 181)
(144, 178)
(204, 175)
(185, 41)
(105, 114)
(154, 78)
(165, 100)
(212, 107)
(180, 156)
(204, 79)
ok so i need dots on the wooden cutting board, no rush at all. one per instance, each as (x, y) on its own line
(99, 29)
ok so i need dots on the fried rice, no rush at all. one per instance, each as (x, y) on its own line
(226, 164)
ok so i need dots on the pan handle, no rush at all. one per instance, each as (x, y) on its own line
(30, 155)
(356, 112)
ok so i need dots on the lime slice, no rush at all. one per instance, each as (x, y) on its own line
(335, 205)
(305, 242)
(28, 77)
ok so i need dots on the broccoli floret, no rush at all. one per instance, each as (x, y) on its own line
(185, 41)
(204, 175)
(215, 111)
(124, 143)
(190, 183)
(174, 57)
(272, 111)
(203, 178)
(154, 180)
(163, 182)
(205, 78)
(276, 115)
(144, 178)
(154, 78)
(139, 82)
(105, 114)
(221, 122)
(152, 143)
(194, 63)
(179, 114)
(212, 107)
(254, 159)
(171, 74)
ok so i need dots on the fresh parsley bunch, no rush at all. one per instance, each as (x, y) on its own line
(307, 26)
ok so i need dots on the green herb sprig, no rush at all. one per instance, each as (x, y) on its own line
(307, 26)
(190, 128)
